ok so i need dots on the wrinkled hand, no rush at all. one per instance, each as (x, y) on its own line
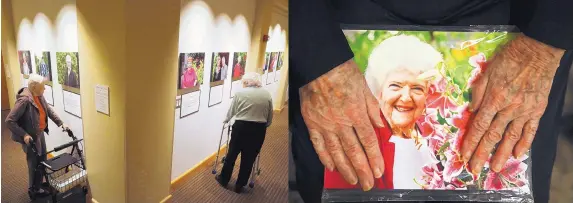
(28, 139)
(339, 110)
(510, 99)
(65, 127)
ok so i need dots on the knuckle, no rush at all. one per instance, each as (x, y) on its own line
(354, 149)
(493, 136)
(513, 135)
(480, 125)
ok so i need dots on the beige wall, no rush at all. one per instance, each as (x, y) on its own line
(102, 51)
(9, 52)
(152, 57)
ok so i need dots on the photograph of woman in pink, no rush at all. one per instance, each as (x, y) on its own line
(393, 75)
(191, 66)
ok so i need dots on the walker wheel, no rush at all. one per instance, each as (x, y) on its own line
(214, 171)
(31, 195)
(251, 184)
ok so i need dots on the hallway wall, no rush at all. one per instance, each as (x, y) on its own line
(41, 26)
(207, 27)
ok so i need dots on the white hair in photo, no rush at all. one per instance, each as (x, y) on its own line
(399, 52)
(251, 79)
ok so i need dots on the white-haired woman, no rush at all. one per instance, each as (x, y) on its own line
(28, 122)
(252, 110)
(393, 71)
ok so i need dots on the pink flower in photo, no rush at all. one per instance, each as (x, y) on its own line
(461, 121)
(454, 165)
(511, 175)
(479, 63)
(441, 102)
(457, 183)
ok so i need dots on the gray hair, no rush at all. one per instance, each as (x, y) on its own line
(35, 80)
(399, 52)
(252, 79)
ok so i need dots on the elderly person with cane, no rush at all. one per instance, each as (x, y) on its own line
(252, 110)
(28, 122)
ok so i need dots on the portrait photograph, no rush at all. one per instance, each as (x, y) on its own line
(239, 64)
(422, 81)
(273, 61)
(25, 60)
(280, 60)
(43, 65)
(220, 66)
(267, 57)
(68, 69)
(191, 68)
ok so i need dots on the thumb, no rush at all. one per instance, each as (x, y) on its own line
(477, 92)
(372, 106)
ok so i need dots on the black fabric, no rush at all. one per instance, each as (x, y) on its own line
(246, 139)
(544, 146)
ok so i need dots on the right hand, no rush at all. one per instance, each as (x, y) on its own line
(339, 111)
(28, 139)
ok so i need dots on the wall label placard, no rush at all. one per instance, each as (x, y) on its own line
(102, 99)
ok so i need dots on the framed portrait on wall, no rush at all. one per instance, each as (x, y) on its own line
(191, 69)
(25, 60)
(239, 64)
(68, 72)
(68, 69)
(219, 68)
(44, 66)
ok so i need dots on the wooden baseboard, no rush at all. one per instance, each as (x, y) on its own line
(175, 184)
(94, 201)
(166, 199)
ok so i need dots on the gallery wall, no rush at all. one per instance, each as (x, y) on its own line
(49, 28)
(209, 27)
(276, 44)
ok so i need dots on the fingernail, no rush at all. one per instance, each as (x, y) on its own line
(367, 186)
(496, 167)
(471, 109)
(330, 168)
(377, 173)
(476, 170)
(353, 181)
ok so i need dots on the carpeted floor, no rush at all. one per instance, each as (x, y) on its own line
(271, 185)
(14, 169)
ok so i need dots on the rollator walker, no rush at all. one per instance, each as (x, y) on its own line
(256, 167)
(65, 174)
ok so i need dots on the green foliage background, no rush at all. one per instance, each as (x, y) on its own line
(456, 68)
(46, 60)
(61, 65)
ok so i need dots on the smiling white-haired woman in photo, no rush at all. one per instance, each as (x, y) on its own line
(252, 110)
(393, 75)
(28, 122)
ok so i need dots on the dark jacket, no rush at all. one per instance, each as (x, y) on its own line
(23, 118)
(72, 80)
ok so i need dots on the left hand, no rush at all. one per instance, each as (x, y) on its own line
(64, 127)
(510, 98)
